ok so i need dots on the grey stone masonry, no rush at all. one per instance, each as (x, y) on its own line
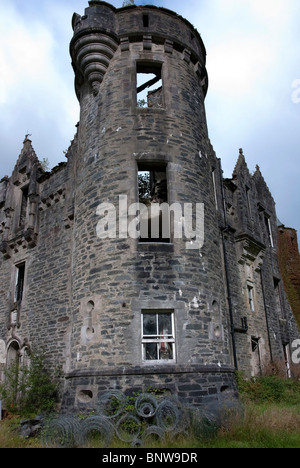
(115, 305)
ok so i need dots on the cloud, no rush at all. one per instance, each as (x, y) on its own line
(24, 55)
(253, 63)
(37, 94)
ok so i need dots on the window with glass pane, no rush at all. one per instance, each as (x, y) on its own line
(158, 340)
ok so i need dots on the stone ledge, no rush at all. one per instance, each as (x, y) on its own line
(150, 370)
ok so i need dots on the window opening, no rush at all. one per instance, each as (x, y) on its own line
(215, 187)
(279, 308)
(158, 339)
(146, 21)
(23, 211)
(149, 85)
(20, 282)
(256, 360)
(153, 194)
(13, 355)
(251, 298)
(269, 231)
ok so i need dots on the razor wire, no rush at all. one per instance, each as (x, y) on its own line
(146, 405)
(61, 432)
(133, 420)
(96, 426)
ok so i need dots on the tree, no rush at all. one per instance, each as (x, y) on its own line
(29, 390)
(45, 164)
(142, 103)
(128, 3)
(144, 185)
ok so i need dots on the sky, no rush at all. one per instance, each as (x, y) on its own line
(253, 101)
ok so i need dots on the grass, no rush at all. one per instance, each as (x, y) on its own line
(9, 436)
(271, 419)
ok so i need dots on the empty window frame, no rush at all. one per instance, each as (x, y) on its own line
(20, 279)
(152, 183)
(158, 336)
(251, 298)
(149, 85)
(269, 230)
(153, 193)
(146, 21)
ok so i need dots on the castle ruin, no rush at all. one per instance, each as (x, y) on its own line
(115, 303)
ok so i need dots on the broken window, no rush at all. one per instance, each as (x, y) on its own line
(23, 211)
(153, 194)
(20, 278)
(158, 340)
(149, 85)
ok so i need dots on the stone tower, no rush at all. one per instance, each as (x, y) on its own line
(148, 306)
(134, 265)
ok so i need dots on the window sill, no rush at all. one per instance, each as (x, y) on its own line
(169, 362)
(155, 247)
(151, 110)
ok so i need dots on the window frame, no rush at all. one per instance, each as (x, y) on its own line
(250, 292)
(269, 230)
(145, 67)
(19, 282)
(153, 169)
(158, 339)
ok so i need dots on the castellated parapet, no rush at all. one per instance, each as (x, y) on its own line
(115, 303)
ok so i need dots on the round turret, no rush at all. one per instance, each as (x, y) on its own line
(148, 298)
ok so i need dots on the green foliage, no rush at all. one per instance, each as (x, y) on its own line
(128, 3)
(45, 164)
(142, 103)
(269, 389)
(29, 390)
(13, 385)
(144, 185)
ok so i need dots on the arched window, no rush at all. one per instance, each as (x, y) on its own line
(12, 366)
(13, 354)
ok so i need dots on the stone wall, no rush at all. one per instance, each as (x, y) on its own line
(84, 295)
(210, 388)
(251, 245)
